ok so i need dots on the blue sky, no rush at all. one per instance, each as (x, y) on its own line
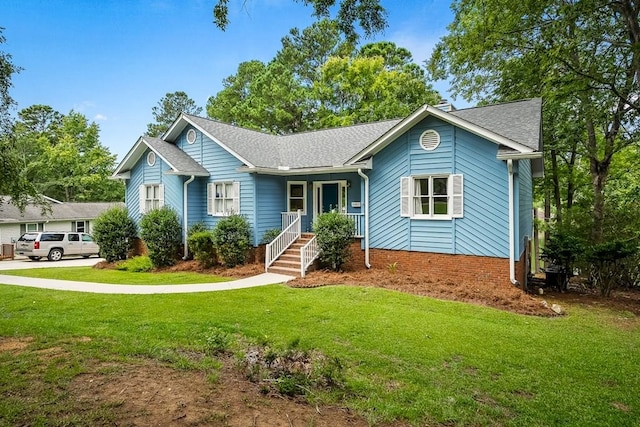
(113, 60)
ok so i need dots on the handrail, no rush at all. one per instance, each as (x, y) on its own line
(308, 253)
(283, 241)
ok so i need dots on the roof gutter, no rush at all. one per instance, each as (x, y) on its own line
(512, 261)
(366, 217)
(283, 171)
(185, 216)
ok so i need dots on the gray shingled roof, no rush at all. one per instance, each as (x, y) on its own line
(519, 121)
(59, 211)
(178, 159)
(329, 147)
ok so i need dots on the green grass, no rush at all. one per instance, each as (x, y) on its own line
(406, 358)
(117, 277)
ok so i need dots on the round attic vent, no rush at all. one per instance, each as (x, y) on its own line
(429, 140)
(191, 136)
(151, 158)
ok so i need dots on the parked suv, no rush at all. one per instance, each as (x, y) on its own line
(56, 244)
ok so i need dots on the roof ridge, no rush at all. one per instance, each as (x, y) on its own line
(498, 104)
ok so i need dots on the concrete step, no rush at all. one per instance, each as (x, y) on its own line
(285, 270)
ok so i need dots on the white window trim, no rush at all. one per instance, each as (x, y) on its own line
(143, 196)
(455, 197)
(26, 226)
(212, 197)
(304, 195)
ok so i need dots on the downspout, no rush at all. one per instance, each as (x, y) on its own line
(512, 262)
(185, 215)
(366, 218)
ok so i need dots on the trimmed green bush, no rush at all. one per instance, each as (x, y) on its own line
(334, 233)
(607, 263)
(162, 233)
(115, 232)
(137, 264)
(232, 239)
(202, 247)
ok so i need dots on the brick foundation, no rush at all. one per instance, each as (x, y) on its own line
(465, 268)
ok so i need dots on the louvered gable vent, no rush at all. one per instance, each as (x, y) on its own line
(429, 140)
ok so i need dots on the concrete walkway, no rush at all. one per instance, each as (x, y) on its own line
(103, 288)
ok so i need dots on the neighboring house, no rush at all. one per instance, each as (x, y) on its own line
(444, 191)
(59, 217)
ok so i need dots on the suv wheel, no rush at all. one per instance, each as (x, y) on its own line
(55, 254)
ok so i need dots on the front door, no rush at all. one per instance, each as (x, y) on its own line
(328, 196)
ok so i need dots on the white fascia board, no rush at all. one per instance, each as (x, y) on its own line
(518, 156)
(122, 175)
(306, 171)
(217, 141)
(131, 157)
(425, 111)
(185, 173)
(174, 130)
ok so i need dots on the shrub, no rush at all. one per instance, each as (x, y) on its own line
(232, 239)
(562, 250)
(270, 235)
(607, 263)
(161, 232)
(137, 264)
(115, 232)
(334, 233)
(203, 249)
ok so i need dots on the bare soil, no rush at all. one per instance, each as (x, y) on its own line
(148, 393)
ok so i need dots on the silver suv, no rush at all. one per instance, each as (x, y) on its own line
(56, 244)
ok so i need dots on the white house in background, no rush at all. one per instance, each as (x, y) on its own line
(60, 217)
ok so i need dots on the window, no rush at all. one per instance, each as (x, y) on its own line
(191, 136)
(73, 237)
(32, 227)
(431, 197)
(151, 158)
(223, 198)
(87, 238)
(79, 226)
(297, 196)
(151, 197)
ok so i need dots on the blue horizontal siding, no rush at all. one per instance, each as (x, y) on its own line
(484, 229)
(270, 202)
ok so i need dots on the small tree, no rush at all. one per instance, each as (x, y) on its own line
(232, 239)
(161, 231)
(562, 250)
(334, 233)
(115, 232)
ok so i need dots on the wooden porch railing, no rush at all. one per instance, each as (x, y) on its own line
(289, 234)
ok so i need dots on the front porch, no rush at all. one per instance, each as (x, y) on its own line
(293, 252)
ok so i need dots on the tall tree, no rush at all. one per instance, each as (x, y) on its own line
(319, 79)
(369, 15)
(13, 182)
(582, 55)
(168, 109)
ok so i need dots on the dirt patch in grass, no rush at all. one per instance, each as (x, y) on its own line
(149, 393)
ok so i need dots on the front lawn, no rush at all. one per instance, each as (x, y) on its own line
(117, 277)
(407, 358)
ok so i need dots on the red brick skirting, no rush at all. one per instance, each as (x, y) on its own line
(459, 268)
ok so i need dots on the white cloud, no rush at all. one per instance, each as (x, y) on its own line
(101, 117)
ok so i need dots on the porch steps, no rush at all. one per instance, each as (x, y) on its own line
(289, 261)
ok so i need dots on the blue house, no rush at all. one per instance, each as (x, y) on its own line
(443, 191)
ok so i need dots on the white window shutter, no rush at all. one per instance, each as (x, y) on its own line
(457, 199)
(210, 194)
(161, 195)
(143, 196)
(405, 196)
(236, 197)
